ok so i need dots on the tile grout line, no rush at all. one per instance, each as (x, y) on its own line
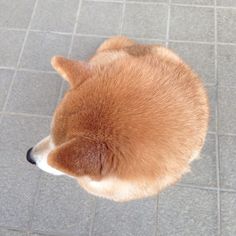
(75, 27)
(226, 43)
(227, 134)
(163, 3)
(19, 58)
(205, 6)
(45, 233)
(211, 132)
(168, 24)
(50, 32)
(130, 2)
(189, 41)
(13, 229)
(205, 187)
(152, 39)
(24, 114)
(122, 17)
(229, 86)
(178, 4)
(196, 186)
(36, 194)
(93, 217)
(107, 36)
(105, 1)
(175, 4)
(217, 129)
(228, 190)
(37, 71)
(71, 45)
(12, 29)
(7, 68)
(157, 215)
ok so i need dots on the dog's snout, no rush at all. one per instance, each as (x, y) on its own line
(29, 156)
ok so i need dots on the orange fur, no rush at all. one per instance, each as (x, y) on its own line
(138, 117)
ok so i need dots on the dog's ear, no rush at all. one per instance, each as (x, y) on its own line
(82, 156)
(75, 72)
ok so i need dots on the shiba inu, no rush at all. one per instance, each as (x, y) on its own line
(134, 118)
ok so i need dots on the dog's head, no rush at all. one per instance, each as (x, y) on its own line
(70, 149)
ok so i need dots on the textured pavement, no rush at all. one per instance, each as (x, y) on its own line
(34, 203)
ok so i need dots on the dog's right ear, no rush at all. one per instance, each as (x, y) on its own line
(82, 156)
(75, 72)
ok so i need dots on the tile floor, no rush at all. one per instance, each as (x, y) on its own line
(203, 32)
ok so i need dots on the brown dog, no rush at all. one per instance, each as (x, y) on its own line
(134, 118)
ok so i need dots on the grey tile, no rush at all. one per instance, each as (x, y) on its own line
(18, 179)
(35, 93)
(102, 18)
(15, 14)
(5, 232)
(213, 107)
(18, 134)
(228, 3)
(192, 23)
(62, 207)
(228, 213)
(10, 46)
(41, 47)
(196, 2)
(186, 211)
(55, 15)
(203, 171)
(227, 108)
(5, 81)
(145, 21)
(84, 47)
(228, 161)
(135, 218)
(226, 25)
(154, 1)
(226, 58)
(200, 57)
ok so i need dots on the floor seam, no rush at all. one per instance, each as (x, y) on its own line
(25, 114)
(122, 17)
(217, 127)
(157, 215)
(107, 36)
(91, 228)
(71, 45)
(30, 224)
(168, 24)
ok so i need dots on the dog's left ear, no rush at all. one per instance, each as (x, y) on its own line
(75, 72)
(82, 157)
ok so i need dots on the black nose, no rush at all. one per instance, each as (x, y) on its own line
(29, 157)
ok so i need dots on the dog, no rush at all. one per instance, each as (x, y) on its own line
(134, 118)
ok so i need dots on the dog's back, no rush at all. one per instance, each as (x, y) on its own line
(150, 108)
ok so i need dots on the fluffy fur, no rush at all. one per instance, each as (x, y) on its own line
(134, 118)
